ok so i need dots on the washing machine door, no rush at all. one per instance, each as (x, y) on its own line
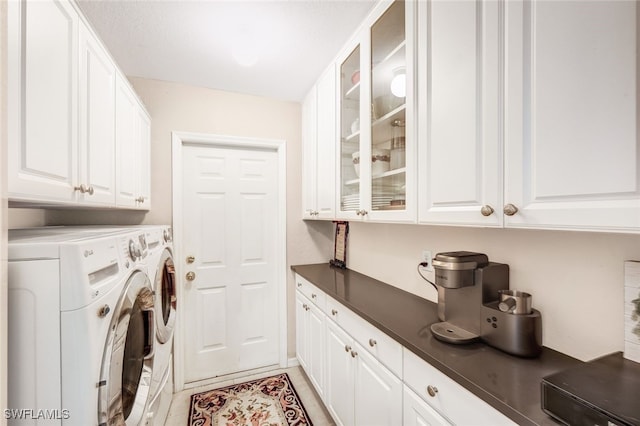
(165, 297)
(128, 359)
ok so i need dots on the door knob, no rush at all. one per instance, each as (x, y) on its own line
(191, 276)
(191, 259)
(510, 209)
(486, 210)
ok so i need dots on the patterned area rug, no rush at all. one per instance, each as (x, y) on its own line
(271, 401)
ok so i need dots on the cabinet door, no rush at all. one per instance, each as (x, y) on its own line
(43, 110)
(326, 145)
(127, 145)
(460, 153)
(316, 346)
(391, 123)
(339, 396)
(302, 344)
(143, 200)
(352, 79)
(571, 141)
(377, 392)
(416, 412)
(309, 157)
(97, 121)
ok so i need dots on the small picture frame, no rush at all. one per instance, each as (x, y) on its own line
(340, 245)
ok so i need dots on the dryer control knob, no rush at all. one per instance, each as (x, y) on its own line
(104, 311)
(134, 250)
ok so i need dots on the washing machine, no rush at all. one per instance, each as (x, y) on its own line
(81, 328)
(161, 270)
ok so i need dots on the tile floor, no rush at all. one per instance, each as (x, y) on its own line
(179, 411)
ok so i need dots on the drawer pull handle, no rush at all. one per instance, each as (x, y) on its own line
(314, 296)
(347, 348)
(299, 284)
(334, 312)
(354, 354)
(372, 342)
(432, 390)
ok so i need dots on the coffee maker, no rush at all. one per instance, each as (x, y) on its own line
(475, 303)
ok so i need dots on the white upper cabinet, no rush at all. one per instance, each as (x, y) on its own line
(43, 100)
(97, 121)
(572, 152)
(376, 156)
(319, 144)
(460, 151)
(62, 111)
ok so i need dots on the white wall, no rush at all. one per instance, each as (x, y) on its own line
(575, 278)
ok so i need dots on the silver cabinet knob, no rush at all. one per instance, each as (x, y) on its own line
(191, 276)
(314, 296)
(510, 209)
(299, 284)
(372, 342)
(334, 312)
(486, 210)
(84, 189)
(354, 354)
(364, 212)
(191, 259)
(432, 390)
(358, 212)
(347, 348)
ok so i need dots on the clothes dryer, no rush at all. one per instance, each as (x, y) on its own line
(81, 328)
(161, 271)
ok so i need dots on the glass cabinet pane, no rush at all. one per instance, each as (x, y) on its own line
(350, 132)
(388, 110)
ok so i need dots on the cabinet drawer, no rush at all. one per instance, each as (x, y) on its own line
(311, 292)
(449, 396)
(374, 341)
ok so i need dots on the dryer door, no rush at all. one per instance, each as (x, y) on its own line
(128, 358)
(165, 297)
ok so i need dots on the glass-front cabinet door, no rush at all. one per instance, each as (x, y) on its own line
(350, 88)
(377, 153)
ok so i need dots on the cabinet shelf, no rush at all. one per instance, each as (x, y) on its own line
(390, 173)
(353, 93)
(390, 60)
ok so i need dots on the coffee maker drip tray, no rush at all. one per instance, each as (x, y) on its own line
(447, 332)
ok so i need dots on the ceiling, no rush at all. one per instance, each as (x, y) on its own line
(270, 48)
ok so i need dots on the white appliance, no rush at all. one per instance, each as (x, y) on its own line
(160, 266)
(81, 327)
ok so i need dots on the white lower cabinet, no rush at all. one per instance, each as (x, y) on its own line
(364, 379)
(416, 412)
(360, 390)
(310, 340)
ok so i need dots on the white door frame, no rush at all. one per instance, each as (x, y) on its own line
(179, 139)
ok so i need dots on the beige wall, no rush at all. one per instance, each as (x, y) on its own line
(575, 278)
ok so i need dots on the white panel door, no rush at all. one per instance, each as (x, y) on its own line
(43, 150)
(377, 392)
(339, 377)
(309, 156)
(571, 141)
(230, 206)
(97, 146)
(302, 331)
(143, 170)
(461, 161)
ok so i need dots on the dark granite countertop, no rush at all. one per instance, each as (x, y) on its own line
(508, 383)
